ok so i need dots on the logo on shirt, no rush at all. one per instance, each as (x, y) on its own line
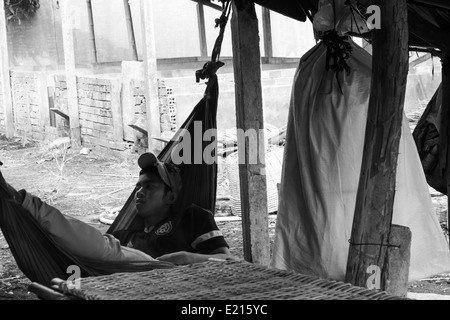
(165, 229)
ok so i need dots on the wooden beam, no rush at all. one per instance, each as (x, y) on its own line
(207, 3)
(369, 244)
(267, 31)
(446, 120)
(151, 76)
(249, 116)
(60, 113)
(92, 31)
(420, 60)
(130, 29)
(202, 30)
(44, 103)
(5, 78)
(71, 78)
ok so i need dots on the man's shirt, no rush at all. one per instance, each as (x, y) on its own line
(193, 230)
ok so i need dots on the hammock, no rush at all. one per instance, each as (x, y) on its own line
(427, 138)
(41, 259)
(199, 180)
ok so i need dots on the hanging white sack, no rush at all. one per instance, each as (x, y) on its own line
(321, 169)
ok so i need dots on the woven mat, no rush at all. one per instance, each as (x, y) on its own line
(233, 280)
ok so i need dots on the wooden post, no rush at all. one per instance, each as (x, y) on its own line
(92, 31)
(5, 79)
(267, 30)
(249, 114)
(71, 78)
(151, 77)
(130, 29)
(44, 103)
(116, 109)
(398, 259)
(202, 30)
(446, 119)
(369, 242)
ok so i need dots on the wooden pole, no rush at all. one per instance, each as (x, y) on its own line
(5, 79)
(202, 30)
(446, 119)
(130, 29)
(369, 242)
(398, 261)
(151, 77)
(71, 78)
(249, 114)
(44, 108)
(267, 30)
(116, 109)
(92, 31)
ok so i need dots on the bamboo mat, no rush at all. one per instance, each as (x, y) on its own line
(231, 280)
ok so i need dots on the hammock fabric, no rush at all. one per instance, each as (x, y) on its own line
(41, 259)
(199, 180)
(427, 138)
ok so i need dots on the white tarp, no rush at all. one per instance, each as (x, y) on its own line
(321, 169)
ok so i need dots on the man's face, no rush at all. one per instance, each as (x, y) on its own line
(151, 197)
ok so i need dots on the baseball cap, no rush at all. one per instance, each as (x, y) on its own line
(168, 172)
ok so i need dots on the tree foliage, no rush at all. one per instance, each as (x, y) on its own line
(16, 10)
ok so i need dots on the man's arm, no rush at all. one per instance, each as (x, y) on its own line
(183, 257)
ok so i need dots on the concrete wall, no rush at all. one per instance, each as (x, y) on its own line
(99, 111)
(26, 104)
(291, 38)
(36, 44)
(277, 87)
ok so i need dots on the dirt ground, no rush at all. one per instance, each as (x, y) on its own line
(91, 184)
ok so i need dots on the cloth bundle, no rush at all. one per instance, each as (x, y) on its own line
(321, 170)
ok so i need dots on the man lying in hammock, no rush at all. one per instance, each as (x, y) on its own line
(186, 237)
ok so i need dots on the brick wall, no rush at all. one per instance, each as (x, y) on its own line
(167, 105)
(96, 116)
(99, 106)
(26, 101)
(95, 103)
